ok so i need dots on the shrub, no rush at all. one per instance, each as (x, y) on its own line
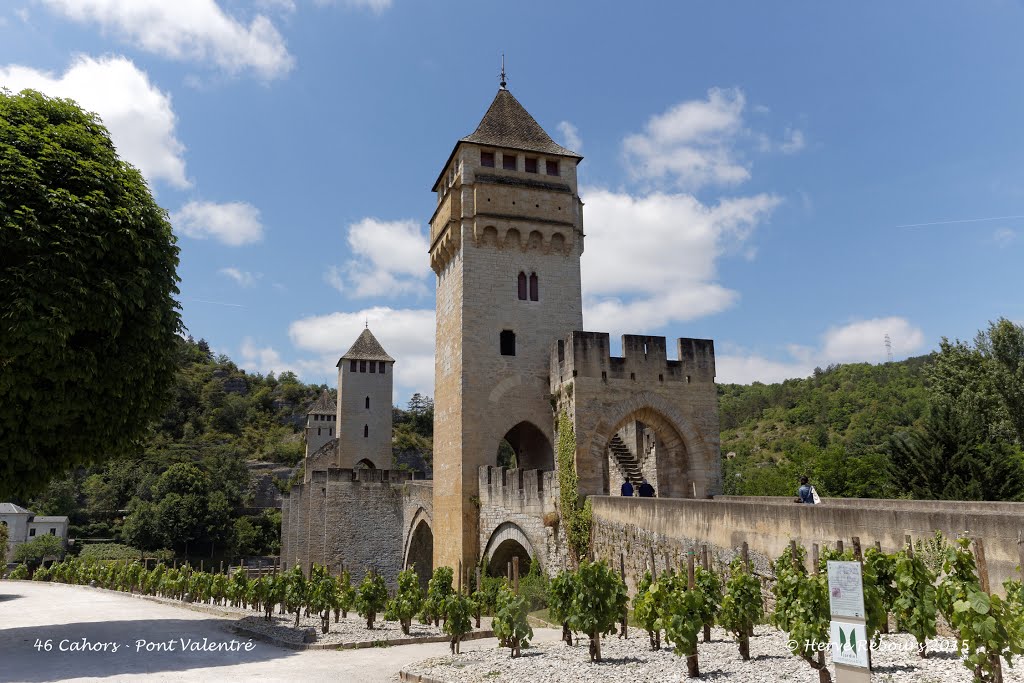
(371, 597)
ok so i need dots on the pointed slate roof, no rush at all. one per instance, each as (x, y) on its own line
(366, 347)
(12, 509)
(325, 405)
(508, 124)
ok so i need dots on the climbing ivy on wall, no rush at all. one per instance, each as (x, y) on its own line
(577, 516)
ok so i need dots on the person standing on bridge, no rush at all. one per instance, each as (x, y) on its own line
(627, 489)
(646, 490)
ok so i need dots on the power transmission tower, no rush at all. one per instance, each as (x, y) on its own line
(888, 348)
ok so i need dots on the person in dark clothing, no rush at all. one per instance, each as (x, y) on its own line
(627, 489)
(646, 490)
(805, 494)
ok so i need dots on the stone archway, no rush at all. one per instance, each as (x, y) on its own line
(419, 547)
(365, 464)
(679, 475)
(508, 541)
(531, 446)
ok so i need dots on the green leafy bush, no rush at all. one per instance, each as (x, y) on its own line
(371, 597)
(742, 606)
(407, 602)
(458, 610)
(510, 625)
(438, 589)
(599, 599)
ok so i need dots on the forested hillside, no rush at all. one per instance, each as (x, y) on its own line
(945, 426)
(189, 489)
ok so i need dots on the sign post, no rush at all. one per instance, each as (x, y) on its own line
(850, 645)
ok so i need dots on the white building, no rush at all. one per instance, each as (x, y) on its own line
(22, 525)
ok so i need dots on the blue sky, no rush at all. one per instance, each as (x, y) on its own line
(781, 178)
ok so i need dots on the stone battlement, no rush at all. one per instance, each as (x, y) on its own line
(515, 488)
(359, 475)
(644, 358)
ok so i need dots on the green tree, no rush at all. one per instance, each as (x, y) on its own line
(951, 458)
(438, 589)
(38, 549)
(90, 325)
(458, 610)
(4, 536)
(511, 627)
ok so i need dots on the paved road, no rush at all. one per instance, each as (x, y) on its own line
(70, 617)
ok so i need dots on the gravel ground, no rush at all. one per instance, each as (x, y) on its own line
(351, 629)
(896, 661)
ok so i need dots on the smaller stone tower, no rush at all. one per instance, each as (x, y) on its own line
(321, 423)
(365, 383)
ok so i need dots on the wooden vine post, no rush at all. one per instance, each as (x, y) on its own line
(706, 564)
(692, 667)
(515, 574)
(979, 558)
(479, 587)
(624, 631)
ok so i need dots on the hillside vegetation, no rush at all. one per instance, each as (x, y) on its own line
(189, 486)
(944, 426)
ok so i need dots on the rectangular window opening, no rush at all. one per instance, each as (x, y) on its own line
(487, 159)
(352, 366)
(362, 366)
(551, 167)
(380, 367)
(531, 164)
(508, 162)
(508, 343)
(373, 367)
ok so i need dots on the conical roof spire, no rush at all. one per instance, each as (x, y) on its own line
(508, 124)
(366, 347)
(325, 405)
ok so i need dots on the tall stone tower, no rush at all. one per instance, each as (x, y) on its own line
(321, 422)
(365, 383)
(505, 242)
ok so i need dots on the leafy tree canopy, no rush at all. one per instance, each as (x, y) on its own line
(89, 320)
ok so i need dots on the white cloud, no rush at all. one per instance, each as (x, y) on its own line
(691, 143)
(794, 141)
(232, 223)
(242, 277)
(861, 341)
(653, 260)
(137, 114)
(264, 360)
(390, 259)
(570, 136)
(195, 30)
(23, 14)
(865, 340)
(1003, 237)
(376, 6)
(406, 334)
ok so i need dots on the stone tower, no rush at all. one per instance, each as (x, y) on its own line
(505, 242)
(321, 423)
(365, 382)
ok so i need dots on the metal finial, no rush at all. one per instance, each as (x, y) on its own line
(367, 322)
(502, 77)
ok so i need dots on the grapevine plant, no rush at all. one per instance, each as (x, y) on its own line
(510, 624)
(458, 613)
(406, 603)
(599, 598)
(987, 626)
(741, 605)
(802, 608)
(371, 597)
(915, 606)
(683, 615)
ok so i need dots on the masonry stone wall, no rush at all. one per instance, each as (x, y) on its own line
(490, 225)
(527, 499)
(671, 527)
(355, 419)
(357, 518)
(676, 399)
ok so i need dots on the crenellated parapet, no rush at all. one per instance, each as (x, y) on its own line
(517, 488)
(644, 359)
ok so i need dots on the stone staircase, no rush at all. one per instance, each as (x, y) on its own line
(628, 464)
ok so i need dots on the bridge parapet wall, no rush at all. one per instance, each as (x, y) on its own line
(672, 526)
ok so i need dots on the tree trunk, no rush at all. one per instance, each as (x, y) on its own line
(566, 633)
(692, 667)
(707, 633)
(595, 646)
(369, 620)
(297, 613)
(744, 646)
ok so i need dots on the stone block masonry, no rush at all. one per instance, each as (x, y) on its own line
(673, 526)
(357, 518)
(517, 503)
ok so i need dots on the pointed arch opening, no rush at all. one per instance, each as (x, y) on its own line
(525, 446)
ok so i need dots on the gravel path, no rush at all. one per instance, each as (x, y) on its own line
(632, 660)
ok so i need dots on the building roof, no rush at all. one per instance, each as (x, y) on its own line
(325, 405)
(50, 519)
(366, 347)
(12, 509)
(508, 124)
